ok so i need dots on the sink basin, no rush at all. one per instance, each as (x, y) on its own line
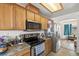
(20, 47)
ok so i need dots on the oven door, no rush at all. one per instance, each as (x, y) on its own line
(39, 49)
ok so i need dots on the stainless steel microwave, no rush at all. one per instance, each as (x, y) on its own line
(33, 25)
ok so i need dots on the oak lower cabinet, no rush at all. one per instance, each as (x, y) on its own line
(25, 52)
(20, 17)
(48, 46)
(6, 16)
(30, 15)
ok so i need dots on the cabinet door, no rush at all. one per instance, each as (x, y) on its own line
(32, 8)
(46, 23)
(37, 18)
(20, 17)
(1, 16)
(48, 46)
(30, 16)
(43, 23)
(6, 16)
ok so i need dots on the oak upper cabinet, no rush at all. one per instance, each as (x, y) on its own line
(44, 22)
(32, 8)
(20, 17)
(1, 16)
(6, 16)
(30, 15)
(37, 18)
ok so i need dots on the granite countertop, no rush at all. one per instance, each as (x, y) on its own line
(14, 49)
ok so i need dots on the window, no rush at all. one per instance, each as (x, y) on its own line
(67, 29)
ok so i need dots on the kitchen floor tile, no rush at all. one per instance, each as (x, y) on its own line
(67, 49)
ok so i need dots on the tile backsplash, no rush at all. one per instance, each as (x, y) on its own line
(16, 32)
(10, 33)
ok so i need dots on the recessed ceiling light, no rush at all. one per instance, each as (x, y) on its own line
(53, 6)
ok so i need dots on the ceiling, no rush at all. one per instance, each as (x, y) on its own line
(68, 8)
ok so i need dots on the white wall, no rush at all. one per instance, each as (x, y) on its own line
(78, 37)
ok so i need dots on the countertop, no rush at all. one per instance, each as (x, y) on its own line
(46, 38)
(13, 50)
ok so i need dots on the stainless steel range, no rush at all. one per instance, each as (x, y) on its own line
(37, 46)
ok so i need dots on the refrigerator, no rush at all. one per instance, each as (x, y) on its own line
(56, 44)
(54, 33)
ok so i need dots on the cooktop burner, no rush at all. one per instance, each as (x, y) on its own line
(34, 43)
